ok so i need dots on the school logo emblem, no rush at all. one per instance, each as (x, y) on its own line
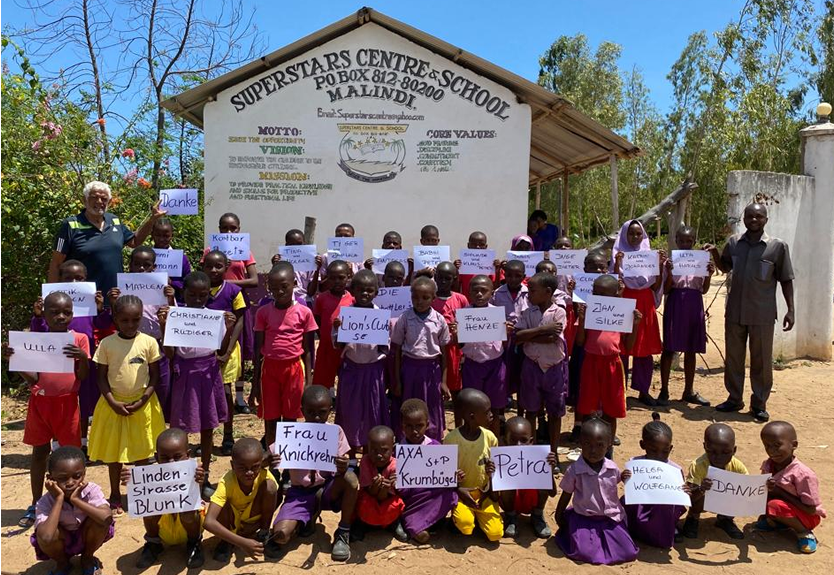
(372, 153)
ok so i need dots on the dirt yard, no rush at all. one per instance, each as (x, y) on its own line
(800, 396)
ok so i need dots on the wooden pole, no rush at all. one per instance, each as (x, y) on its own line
(615, 194)
(565, 204)
(310, 229)
(538, 195)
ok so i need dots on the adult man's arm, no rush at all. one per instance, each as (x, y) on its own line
(787, 293)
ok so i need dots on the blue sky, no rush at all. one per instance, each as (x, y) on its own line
(511, 34)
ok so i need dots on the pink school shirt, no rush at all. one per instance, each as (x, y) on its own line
(52, 384)
(513, 306)
(284, 329)
(482, 351)
(367, 471)
(71, 517)
(420, 339)
(237, 268)
(800, 481)
(310, 478)
(594, 494)
(546, 355)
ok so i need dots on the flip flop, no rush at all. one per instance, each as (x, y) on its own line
(28, 518)
(116, 508)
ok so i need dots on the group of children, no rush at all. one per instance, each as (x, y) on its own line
(386, 394)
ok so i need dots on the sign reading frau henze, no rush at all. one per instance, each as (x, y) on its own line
(371, 129)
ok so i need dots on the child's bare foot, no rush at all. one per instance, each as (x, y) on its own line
(422, 538)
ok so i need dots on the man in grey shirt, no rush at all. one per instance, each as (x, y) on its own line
(757, 262)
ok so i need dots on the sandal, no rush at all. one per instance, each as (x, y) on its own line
(807, 543)
(116, 508)
(28, 518)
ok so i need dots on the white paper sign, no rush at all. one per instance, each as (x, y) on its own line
(194, 327)
(610, 313)
(429, 256)
(584, 285)
(302, 258)
(235, 246)
(521, 467)
(346, 249)
(530, 259)
(179, 201)
(735, 494)
(640, 263)
(476, 324)
(83, 296)
(148, 287)
(169, 261)
(690, 263)
(40, 352)
(426, 466)
(655, 482)
(477, 262)
(568, 262)
(163, 489)
(394, 299)
(312, 446)
(364, 325)
(383, 257)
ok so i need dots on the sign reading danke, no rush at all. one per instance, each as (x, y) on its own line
(309, 446)
(426, 466)
(735, 494)
(179, 201)
(364, 325)
(163, 489)
(194, 327)
(477, 324)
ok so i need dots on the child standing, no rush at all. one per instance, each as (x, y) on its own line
(53, 398)
(720, 450)
(306, 283)
(162, 233)
(73, 518)
(325, 308)
(524, 501)
(446, 303)
(344, 230)
(646, 291)
(282, 353)
(421, 336)
(793, 499)
(394, 275)
(513, 297)
(477, 241)
(128, 417)
(312, 492)
(390, 241)
(379, 504)
(361, 404)
(424, 508)
(594, 529)
(684, 323)
(544, 373)
(476, 501)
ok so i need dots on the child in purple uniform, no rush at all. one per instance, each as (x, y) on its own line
(161, 234)
(513, 297)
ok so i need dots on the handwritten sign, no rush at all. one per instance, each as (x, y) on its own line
(179, 201)
(162, 489)
(690, 263)
(364, 325)
(477, 324)
(429, 256)
(568, 262)
(346, 249)
(235, 246)
(640, 263)
(383, 257)
(394, 299)
(147, 287)
(610, 313)
(530, 259)
(169, 261)
(735, 494)
(477, 261)
(426, 466)
(83, 296)
(194, 327)
(521, 467)
(312, 446)
(655, 482)
(302, 258)
(584, 286)
(40, 352)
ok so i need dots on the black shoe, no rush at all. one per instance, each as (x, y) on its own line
(727, 525)
(399, 533)
(729, 406)
(616, 441)
(208, 490)
(150, 554)
(663, 398)
(647, 400)
(308, 529)
(242, 409)
(341, 545)
(690, 528)
(223, 552)
(695, 398)
(272, 550)
(760, 415)
(194, 555)
(510, 525)
(358, 530)
(540, 526)
(226, 446)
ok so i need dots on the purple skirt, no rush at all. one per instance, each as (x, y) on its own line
(684, 324)
(361, 403)
(654, 524)
(421, 379)
(489, 377)
(425, 507)
(597, 540)
(198, 401)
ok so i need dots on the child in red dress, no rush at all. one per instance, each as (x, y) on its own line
(325, 308)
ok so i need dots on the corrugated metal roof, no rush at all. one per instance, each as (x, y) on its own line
(563, 140)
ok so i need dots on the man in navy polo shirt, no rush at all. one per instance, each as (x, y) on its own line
(544, 235)
(96, 238)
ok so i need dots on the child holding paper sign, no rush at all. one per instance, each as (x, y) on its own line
(646, 291)
(477, 241)
(306, 283)
(361, 403)
(684, 323)
(390, 241)
(325, 309)
(343, 230)
(447, 302)
(379, 504)
(514, 299)
(162, 233)
(53, 410)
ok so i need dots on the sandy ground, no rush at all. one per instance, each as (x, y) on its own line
(758, 553)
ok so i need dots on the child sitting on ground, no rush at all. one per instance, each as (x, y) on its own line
(379, 504)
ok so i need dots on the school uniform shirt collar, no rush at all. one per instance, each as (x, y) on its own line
(582, 467)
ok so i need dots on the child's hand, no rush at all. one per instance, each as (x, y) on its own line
(706, 484)
(230, 320)
(168, 291)
(392, 480)
(119, 407)
(255, 396)
(341, 465)
(580, 312)
(552, 461)
(465, 497)
(711, 268)
(337, 322)
(771, 485)
(113, 295)
(625, 475)
(378, 482)
(275, 259)
(687, 488)
(199, 475)
(8, 352)
(273, 459)
(460, 476)
(668, 265)
(75, 496)
(661, 257)
(638, 316)
(571, 285)
(620, 285)
(162, 315)
(37, 309)
(457, 264)
(124, 474)
(510, 328)
(319, 262)
(53, 489)
(369, 264)
(489, 467)
(497, 263)
(453, 328)
(99, 301)
(252, 547)
(444, 391)
(619, 257)
(74, 352)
